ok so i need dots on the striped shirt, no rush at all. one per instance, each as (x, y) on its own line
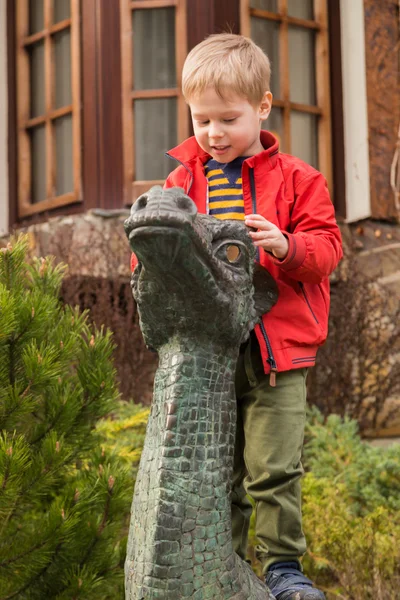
(225, 193)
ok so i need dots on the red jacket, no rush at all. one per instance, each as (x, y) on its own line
(294, 196)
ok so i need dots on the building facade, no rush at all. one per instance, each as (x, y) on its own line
(90, 100)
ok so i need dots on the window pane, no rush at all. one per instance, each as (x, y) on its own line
(155, 133)
(38, 163)
(154, 48)
(64, 171)
(266, 35)
(274, 124)
(62, 58)
(302, 65)
(303, 132)
(270, 5)
(61, 10)
(36, 52)
(302, 9)
(36, 16)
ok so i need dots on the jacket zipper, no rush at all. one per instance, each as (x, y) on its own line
(270, 359)
(307, 301)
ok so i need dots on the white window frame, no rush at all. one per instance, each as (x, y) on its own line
(355, 113)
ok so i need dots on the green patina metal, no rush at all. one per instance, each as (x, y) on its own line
(197, 304)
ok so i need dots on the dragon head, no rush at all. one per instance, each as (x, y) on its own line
(196, 277)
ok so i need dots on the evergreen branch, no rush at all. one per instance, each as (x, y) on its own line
(6, 474)
(94, 541)
(106, 512)
(26, 390)
(23, 492)
(34, 578)
(11, 363)
(6, 416)
(23, 331)
(99, 530)
(49, 428)
(88, 401)
(37, 562)
(32, 549)
(7, 270)
(9, 516)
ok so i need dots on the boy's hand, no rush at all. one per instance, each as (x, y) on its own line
(268, 236)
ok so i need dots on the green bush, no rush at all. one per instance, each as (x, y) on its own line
(351, 517)
(351, 501)
(64, 502)
(123, 432)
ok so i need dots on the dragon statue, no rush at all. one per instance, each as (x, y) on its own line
(199, 294)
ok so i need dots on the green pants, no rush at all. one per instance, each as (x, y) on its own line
(267, 465)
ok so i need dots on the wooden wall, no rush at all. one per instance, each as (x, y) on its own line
(102, 165)
(208, 16)
(101, 95)
(383, 93)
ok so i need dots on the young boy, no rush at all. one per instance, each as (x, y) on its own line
(233, 169)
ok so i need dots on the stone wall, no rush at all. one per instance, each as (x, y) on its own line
(96, 250)
(377, 248)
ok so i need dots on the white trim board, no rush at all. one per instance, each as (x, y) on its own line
(355, 116)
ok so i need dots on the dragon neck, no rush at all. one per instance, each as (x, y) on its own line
(181, 513)
(195, 405)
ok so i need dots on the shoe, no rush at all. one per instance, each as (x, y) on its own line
(287, 582)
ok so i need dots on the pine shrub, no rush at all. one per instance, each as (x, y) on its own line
(351, 516)
(63, 499)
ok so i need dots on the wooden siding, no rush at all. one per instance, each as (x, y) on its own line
(12, 116)
(383, 93)
(210, 16)
(102, 166)
(338, 170)
(109, 105)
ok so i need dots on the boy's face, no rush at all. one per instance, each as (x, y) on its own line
(228, 127)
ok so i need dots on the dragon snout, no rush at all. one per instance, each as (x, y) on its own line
(158, 203)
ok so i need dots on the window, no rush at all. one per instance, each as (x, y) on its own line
(294, 34)
(155, 117)
(48, 104)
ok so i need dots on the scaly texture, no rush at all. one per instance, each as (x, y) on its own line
(196, 307)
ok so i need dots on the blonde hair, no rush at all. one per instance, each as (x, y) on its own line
(227, 61)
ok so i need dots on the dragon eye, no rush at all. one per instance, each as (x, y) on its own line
(232, 253)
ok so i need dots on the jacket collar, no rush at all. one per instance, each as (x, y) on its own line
(189, 151)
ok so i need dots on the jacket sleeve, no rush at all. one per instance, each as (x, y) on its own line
(315, 242)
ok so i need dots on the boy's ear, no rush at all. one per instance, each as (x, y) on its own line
(265, 290)
(265, 106)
